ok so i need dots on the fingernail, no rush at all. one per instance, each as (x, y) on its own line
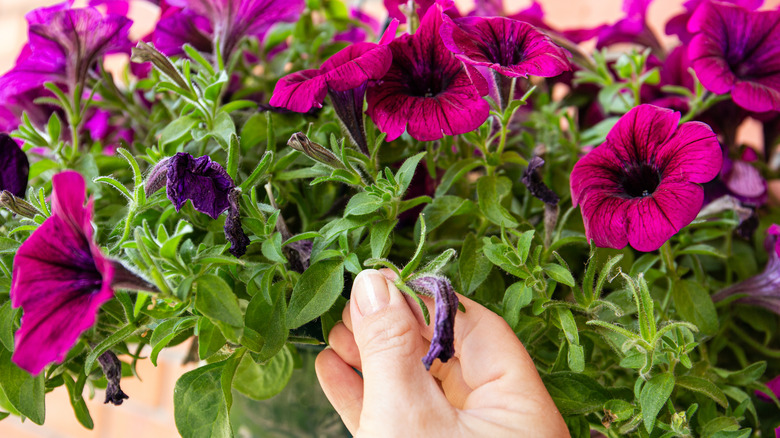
(370, 292)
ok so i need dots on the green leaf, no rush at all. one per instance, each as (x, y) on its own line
(177, 130)
(575, 393)
(380, 233)
(77, 400)
(454, 173)
(473, 266)
(406, 172)
(559, 274)
(210, 338)
(524, 245)
(621, 409)
(437, 264)
(653, 397)
(702, 249)
(199, 404)
(23, 391)
(263, 381)
(695, 305)
(166, 331)
(517, 296)
(443, 208)
(216, 300)
(7, 320)
(105, 344)
(272, 249)
(330, 318)
(8, 246)
(417, 257)
(265, 330)
(490, 190)
(315, 292)
(362, 203)
(703, 386)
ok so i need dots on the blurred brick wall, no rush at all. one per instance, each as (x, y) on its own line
(149, 411)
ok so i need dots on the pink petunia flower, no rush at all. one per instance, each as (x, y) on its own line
(737, 50)
(61, 278)
(641, 186)
(427, 88)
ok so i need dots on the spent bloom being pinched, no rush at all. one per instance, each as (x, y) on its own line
(207, 185)
(442, 345)
(61, 278)
(14, 167)
(641, 186)
(64, 44)
(344, 77)
(737, 50)
(427, 88)
(762, 289)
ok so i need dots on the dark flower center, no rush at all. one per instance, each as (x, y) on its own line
(428, 83)
(640, 180)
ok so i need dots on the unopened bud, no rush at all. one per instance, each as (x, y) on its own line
(157, 177)
(145, 52)
(300, 142)
(17, 205)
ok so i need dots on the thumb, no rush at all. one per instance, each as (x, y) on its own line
(391, 347)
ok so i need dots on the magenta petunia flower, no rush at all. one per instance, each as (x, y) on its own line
(61, 278)
(178, 26)
(344, 77)
(762, 289)
(510, 47)
(232, 20)
(774, 386)
(427, 88)
(678, 25)
(14, 167)
(442, 345)
(64, 44)
(737, 50)
(641, 186)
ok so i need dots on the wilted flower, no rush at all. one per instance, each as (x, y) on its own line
(61, 278)
(14, 167)
(641, 186)
(737, 50)
(762, 289)
(510, 47)
(64, 45)
(344, 77)
(446, 300)
(112, 369)
(535, 185)
(427, 88)
(231, 20)
(207, 185)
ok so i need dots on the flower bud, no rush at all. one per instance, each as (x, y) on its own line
(157, 177)
(300, 142)
(17, 205)
(144, 52)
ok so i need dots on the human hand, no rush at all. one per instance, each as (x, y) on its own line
(490, 388)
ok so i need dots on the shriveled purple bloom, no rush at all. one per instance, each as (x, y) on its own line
(64, 44)
(737, 50)
(440, 288)
(61, 278)
(510, 47)
(344, 77)
(535, 185)
(763, 289)
(232, 20)
(427, 88)
(14, 167)
(641, 186)
(204, 182)
(112, 369)
(234, 233)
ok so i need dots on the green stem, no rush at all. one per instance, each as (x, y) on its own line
(668, 258)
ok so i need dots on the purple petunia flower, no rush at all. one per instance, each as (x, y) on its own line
(762, 289)
(641, 186)
(64, 44)
(510, 47)
(427, 88)
(344, 77)
(446, 307)
(743, 180)
(232, 20)
(737, 50)
(61, 278)
(178, 26)
(207, 185)
(14, 167)
(678, 25)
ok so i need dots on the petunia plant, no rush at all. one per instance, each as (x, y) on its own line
(223, 191)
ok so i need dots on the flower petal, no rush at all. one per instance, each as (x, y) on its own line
(692, 154)
(605, 216)
(200, 180)
(654, 219)
(442, 345)
(300, 91)
(14, 167)
(637, 134)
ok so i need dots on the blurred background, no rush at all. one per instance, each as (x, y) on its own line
(301, 410)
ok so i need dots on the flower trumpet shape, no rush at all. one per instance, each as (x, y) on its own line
(737, 50)
(641, 186)
(61, 278)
